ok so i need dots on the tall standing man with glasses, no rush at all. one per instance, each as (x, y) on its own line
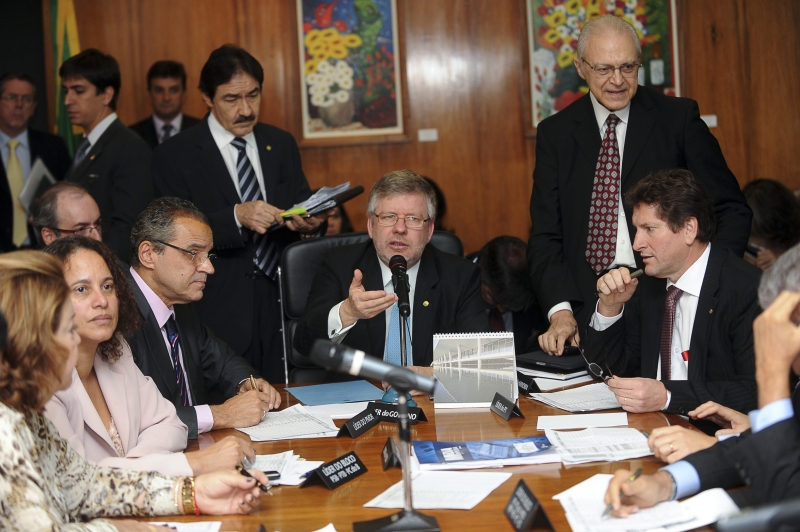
(588, 156)
(352, 298)
(19, 148)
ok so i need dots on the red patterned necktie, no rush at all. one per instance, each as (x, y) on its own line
(667, 325)
(601, 243)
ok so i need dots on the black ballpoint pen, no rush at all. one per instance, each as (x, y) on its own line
(634, 275)
(244, 472)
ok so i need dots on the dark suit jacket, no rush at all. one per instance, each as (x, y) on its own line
(721, 357)
(663, 132)
(116, 172)
(53, 153)
(767, 462)
(190, 166)
(451, 285)
(213, 369)
(147, 128)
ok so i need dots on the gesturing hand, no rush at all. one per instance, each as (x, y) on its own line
(362, 304)
(616, 288)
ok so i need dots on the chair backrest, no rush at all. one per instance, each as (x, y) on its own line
(299, 265)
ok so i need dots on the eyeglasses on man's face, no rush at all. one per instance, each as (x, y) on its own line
(628, 70)
(202, 257)
(85, 230)
(13, 99)
(389, 219)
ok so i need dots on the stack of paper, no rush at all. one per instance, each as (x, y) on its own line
(445, 490)
(294, 422)
(599, 444)
(583, 399)
(584, 505)
(442, 456)
(322, 200)
(547, 384)
(550, 374)
(291, 467)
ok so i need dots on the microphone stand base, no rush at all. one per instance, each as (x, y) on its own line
(403, 520)
(391, 397)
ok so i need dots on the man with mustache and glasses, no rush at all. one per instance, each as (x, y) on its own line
(241, 174)
(352, 297)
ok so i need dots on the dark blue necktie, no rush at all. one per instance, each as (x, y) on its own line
(180, 379)
(267, 252)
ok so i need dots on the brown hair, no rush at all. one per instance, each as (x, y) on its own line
(128, 321)
(32, 295)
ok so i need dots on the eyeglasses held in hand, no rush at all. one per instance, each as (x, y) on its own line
(389, 219)
(595, 369)
(203, 256)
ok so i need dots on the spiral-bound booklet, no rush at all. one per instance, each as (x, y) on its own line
(471, 368)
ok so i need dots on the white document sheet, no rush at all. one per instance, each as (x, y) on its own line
(442, 490)
(338, 411)
(297, 470)
(294, 422)
(550, 375)
(200, 526)
(708, 507)
(599, 444)
(546, 385)
(582, 421)
(273, 462)
(584, 514)
(582, 399)
(328, 528)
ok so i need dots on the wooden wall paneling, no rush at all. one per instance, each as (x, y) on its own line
(714, 42)
(773, 53)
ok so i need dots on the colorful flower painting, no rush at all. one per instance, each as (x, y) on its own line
(553, 30)
(350, 68)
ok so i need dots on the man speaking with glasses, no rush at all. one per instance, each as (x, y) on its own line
(352, 299)
(588, 156)
(190, 366)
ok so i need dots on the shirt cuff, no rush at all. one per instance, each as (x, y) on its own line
(773, 413)
(561, 306)
(205, 419)
(669, 398)
(687, 481)
(235, 219)
(600, 322)
(336, 331)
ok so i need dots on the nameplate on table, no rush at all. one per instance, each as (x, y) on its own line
(390, 455)
(336, 472)
(527, 384)
(390, 412)
(523, 510)
(359, 424)
(504, 407)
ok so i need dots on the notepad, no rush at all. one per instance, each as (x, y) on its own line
(583, 399)
(293, 422)
(446, 490)
(336, 392)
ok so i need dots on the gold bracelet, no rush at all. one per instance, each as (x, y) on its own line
(187, 495)
(176, 495)
(305, 236)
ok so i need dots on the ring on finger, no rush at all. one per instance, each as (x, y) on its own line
(625, 401)
(671, 447)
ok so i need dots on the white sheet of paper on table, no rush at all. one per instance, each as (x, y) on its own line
(599, 444)
(200, 526)
(442, 490)
(582, 421)
(338, 411)
(328, 528)
(293, 422)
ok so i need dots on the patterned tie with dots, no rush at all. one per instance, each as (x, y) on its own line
(601, 243)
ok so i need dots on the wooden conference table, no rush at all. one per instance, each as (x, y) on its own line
(293, 509)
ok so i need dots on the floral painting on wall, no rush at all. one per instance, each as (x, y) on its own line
(350, 68)
(553, 30)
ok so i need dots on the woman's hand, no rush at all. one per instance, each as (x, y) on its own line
(228, 492)
(227, 453)
(732, 421)
(670, 444)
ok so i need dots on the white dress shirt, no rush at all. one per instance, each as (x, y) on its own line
(175, 123)
(230, 154)
(337, 332)
(99, 129)
(624, 252)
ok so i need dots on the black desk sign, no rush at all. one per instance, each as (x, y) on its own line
(389, 412)
(524, 510)
(526, 384)
(359, 424)
(336, 472)
(505, 408)
(390, 455)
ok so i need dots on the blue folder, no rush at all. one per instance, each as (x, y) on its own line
(336, 392)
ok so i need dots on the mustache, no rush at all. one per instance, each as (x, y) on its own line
(243, 119)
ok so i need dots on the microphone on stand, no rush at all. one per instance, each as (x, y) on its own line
(398, 265)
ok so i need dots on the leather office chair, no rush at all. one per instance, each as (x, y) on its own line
(299, 265)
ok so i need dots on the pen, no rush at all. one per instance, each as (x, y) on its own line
(634, 275)
(244, 472)
(631, 479)
(253, 383)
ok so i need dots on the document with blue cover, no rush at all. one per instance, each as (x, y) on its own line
(442, 455)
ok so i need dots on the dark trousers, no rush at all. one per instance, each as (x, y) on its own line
(265, 352)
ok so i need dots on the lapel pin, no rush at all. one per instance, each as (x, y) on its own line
(711, 311)
(92, 157)
(425, 303)
(269, 148)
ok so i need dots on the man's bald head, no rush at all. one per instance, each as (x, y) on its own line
(63, 210)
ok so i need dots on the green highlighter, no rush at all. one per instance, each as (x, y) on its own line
(299, 211)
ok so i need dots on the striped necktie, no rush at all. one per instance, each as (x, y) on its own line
(172, 335)
(267, 252)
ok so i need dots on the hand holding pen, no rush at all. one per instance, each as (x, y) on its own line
(621, 494)
(263, 487)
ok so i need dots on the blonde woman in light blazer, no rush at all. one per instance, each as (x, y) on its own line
(112, 414)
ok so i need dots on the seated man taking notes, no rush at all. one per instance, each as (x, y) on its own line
(352, 298)
(190, 366)
(681, 335)
(765, 458)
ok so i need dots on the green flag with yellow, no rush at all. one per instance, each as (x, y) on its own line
(64, 32)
